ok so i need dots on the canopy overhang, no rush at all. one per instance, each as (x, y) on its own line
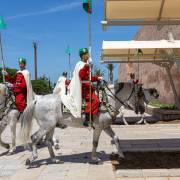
(140, 51)
(141, 12)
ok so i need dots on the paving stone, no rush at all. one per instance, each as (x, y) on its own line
(157, 178)
(129, 173)
(174, 178)
(155, 172)
(128, 178)
(174, 172)
(76, 145)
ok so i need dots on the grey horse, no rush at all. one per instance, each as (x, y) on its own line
(148, 95)
(9, 115)
(47, 111)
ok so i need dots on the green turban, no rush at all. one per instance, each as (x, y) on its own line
(22, 60)
(83, 51)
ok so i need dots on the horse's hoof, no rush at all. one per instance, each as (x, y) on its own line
(145, 122)
(57, 161)
(56, 147)
(121, 158)
(11, 153)
(28, 162)
(139, 122)
(96, 161)
(121, 154)
(125, 123)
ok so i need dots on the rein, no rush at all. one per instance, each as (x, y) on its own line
(115, 97)
(8, 104)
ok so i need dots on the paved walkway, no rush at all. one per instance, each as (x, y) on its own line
(75, 150)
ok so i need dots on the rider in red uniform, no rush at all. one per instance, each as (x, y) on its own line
(84, 75)
(18, 86)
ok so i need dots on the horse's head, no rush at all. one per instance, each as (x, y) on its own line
(150, 94)
(131, 95)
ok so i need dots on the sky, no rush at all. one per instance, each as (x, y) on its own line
(55, 24)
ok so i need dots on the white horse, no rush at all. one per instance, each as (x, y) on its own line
(48, 111)
(9, 115)
(148, 95)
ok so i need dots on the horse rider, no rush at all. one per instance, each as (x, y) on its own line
(20, 85)
(84, 75)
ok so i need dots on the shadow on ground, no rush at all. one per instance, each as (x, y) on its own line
(147, 160)
(73, 158)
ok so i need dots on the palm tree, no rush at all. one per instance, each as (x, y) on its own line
(97, 71)
(110, 68)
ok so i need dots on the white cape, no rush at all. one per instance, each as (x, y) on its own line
(30, 93)
(59, 86)
(73, 100)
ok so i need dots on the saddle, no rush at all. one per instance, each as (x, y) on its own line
(104, 103)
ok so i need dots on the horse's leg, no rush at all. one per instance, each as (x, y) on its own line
(56, 143)
(96, 134)
(13, 123)
(142, 120)
(36, 137)
(3, 124)
(116, 140)
(49, 142)
(124, 120)
(122, 115)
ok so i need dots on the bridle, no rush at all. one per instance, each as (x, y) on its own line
(113, 96)
(8, 104)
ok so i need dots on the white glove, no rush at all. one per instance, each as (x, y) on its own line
(9, 85)
(4, 72)
(100, 78)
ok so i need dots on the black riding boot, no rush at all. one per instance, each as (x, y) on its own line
(86, 120)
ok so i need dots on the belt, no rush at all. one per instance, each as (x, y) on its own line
(85, 81)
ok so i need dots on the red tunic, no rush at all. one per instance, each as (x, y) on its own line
(84, 76)
(19, 89)
(67, 82)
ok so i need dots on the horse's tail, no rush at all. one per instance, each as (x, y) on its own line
(26, 122)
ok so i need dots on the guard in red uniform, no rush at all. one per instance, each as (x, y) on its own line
(84, 74)
(18, 86)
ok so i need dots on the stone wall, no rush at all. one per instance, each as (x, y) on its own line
(150, 74)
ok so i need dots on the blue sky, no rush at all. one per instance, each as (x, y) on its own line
(54, 24)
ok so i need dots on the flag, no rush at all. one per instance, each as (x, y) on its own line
(87, 6)
(68, 50)
(2, 23)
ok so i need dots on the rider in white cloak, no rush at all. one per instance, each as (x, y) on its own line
(21, 86)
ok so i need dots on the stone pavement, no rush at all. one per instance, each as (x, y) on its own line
(76, 145)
